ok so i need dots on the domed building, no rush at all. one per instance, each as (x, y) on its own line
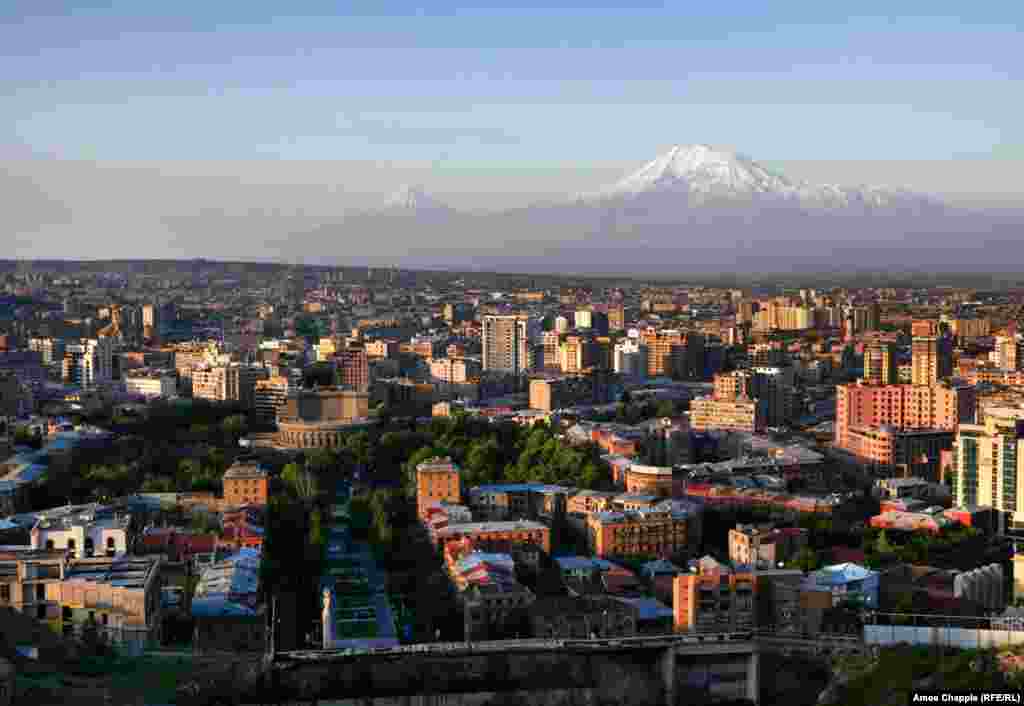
(321, 417)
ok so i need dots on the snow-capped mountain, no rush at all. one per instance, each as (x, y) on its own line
(697, 174)
(415, 199)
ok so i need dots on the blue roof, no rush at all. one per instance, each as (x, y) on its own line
(649, 608)
(839, 574)
(521, 488)
(570, 563)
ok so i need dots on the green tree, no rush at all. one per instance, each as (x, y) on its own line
(883, 546)
(665, 408)
(302, 484)
(235, 427)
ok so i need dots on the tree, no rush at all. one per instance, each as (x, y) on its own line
(235, 427)
(300, 482)
(883, 546)
(665, 408)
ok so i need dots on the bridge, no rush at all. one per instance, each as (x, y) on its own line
(648, 670)
(655, 671)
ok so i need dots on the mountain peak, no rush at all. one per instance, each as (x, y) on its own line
(699, 173)
(414, 198)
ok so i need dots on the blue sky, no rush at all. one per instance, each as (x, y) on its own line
(502, 87)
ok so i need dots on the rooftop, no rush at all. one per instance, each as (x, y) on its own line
(122, 571)
(482, 527)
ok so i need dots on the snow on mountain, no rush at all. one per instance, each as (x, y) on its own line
(415, 199)
(701, 173)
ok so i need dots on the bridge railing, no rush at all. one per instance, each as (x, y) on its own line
(514, 645)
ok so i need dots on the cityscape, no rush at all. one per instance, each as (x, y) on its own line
(459, 356)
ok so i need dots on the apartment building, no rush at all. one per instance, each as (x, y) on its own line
(765, 547)
(749, 415)
(95, 531)
(669, 527)
(988, 463)
(880, 364)
(499, 534)
(150, 383)
(916, 452)
(233, 382)
(940, 406)
(714, 598)
(268, 397)
(246, 483)
(437, 480)
(88, 361)
(931, 353)
(506, 343)
(121, 596)
(30, 581)
(550, 394)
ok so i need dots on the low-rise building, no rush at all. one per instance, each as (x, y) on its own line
(120, 596)
(519, 500)
(246, 483)
(437, 480)
(95, 531)
(765, 547)
(498, 533)
(151, 383)
(714, 598)
(845, 583)
(30, 581)
(668, 528)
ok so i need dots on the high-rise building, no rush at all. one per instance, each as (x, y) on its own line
(880, 366)
(988, 462)
(51, 349)
(506, 343)
(227, 383)
(584, 318)
(931, 353)
(775, 386)
(630, 358)
(550, 350)
(89, 361)
(575, 354)
(616, 317)
(738, 383)
(1009, 351)
(268, 396)
(903, 407)
(353, 368)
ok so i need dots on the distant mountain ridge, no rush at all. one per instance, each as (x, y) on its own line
(691, 208)
(700, 174)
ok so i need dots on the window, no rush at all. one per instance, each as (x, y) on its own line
(103, 618)
(40, 592)
(5, 593)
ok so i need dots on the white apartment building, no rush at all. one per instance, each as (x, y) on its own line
(151, 383)
(630, 358)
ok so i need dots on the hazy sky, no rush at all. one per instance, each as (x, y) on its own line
(490, 105)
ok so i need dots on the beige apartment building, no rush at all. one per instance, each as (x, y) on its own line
(738, 414)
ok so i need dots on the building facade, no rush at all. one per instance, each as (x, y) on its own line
(246, 484)
(437, 480)
(707, 413)
(988, 461)
(506, 343)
